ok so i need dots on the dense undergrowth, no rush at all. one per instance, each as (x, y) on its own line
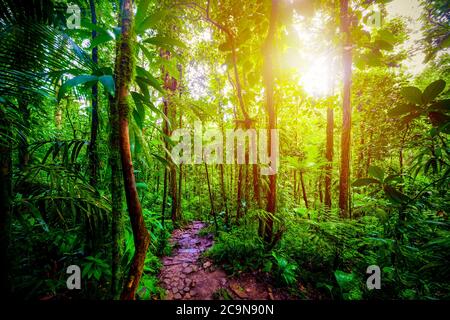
(330, 256)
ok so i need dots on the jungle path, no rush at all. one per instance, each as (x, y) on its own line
(187, 276)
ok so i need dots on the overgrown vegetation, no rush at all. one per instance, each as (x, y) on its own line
(88, 120)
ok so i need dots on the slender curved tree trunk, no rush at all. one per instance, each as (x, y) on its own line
(123, 79)
(344, 187)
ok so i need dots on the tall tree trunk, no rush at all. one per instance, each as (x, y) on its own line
(369, 151)
(171, 85)
(163, 210)
(211, 199)
(344, 187)
(116, 201)
(294, 189)
(224, 195)
(319, 187)
(117, 228)
(360, 165)
(239, 193)
(93, 153)
(180, 174)
(123, 79)
(268, 77)
(329, 156)
(305, 197)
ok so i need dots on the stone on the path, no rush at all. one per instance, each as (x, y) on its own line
(185, 265)
(187, 296)
(188, 281)
(186, 289)
(207, 264)
(237, 290)
(177, 296)
(174, 290)
(188, 270)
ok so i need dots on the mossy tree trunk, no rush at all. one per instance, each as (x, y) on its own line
(123, 79)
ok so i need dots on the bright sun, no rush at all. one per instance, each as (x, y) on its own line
(313, 61)
(317, 79)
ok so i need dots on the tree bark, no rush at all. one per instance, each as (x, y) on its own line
(163, 209)
(224, 195)
(268, 77)
(329, 156)
(239, 193)
(93, 153)
(211, 199)
(123, 79)
(305, 197)
(346, 120)
(116, 201)
(171, 85)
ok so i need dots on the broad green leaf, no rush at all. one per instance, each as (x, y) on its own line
(138, 119)
(438, 119)
(170, 66)
(76, 81)
(364, 182)
(345, 280)
(402, 109)
(141, 99)
(433, 90)
(149, 78)
(165, 42)
(383, 45)
(141, 12)
(141, 185)
(394, 195)
(441, 106)
(412, 94)
(376, 172)
(150, 57)
(392, 178)
(102, 38)
(387, 36)
(150, 21)
(108, 82)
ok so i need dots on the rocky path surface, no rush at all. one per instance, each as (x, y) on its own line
(187, 277)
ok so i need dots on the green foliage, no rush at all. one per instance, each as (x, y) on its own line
(285, 270)
(238, 250)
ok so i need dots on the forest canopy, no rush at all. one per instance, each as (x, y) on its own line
(225, 149)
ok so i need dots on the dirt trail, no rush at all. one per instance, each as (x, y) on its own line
(185, 276)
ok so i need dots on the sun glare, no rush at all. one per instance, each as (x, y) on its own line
(312, 60)
(316, 80)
